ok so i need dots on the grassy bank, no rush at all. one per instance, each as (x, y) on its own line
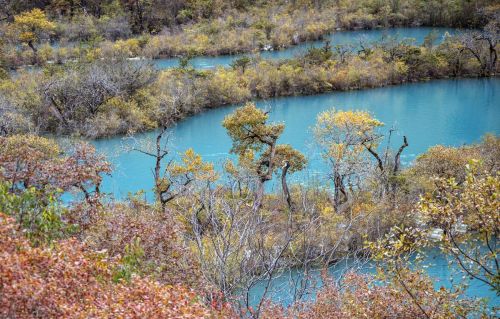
(104, 98)
(226, 28)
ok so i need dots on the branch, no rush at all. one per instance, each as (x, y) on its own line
(398, 155)
(379, 161)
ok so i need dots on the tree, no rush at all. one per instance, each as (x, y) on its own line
(242, 63)
(237, 248)
(394, 254)
(469, 216)
(255, 142)
(291, 161)
(184, 60)
(175, 179)
(483, 46)
(39, 214)
(78, 97)
(33, 162)
(319, 55)
(344, 136)
(30, 26)
(12, 120)
(347, 137)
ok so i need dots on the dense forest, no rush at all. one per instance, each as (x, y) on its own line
(73, 71)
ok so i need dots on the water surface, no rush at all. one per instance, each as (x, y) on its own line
(447, 112)
(336, 38)
(436, 265)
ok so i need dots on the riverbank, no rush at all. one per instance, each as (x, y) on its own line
(106, 98)
(250, 28)
(253, 249)
(352, 39)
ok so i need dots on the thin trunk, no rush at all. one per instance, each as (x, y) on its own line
(264, 177)
(493, 57)
(160, 154)
(157, 171)
(340, 194)
(377, 157)
(397, 161)
(397, 164)
(284, 185)
(259, 195)
(35, 51)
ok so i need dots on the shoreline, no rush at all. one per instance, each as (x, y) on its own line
(208, 108)
(255, 50)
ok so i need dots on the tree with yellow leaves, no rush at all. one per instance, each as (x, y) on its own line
(345, 136)
(174, 179)
(30, 26)
(347, 139)
(468, 213)
(255, 142)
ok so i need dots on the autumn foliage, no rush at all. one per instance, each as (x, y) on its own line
(155, 236)
(69, 281)
(358, 297)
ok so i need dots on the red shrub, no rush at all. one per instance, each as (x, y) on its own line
(68, 281)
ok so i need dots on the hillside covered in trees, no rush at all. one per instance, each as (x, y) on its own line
(215, 238)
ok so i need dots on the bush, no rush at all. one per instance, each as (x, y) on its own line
(149, 238)
(69, 281)
(41, 217)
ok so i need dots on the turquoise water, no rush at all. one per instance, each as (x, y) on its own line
(448, 112)
(435, 263)
(336, 38)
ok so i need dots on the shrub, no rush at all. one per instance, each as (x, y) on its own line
(135, 228)
(68, 281)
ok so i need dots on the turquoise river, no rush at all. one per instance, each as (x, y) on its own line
(447, 112)
(416, 35)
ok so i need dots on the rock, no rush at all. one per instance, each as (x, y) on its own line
(267, 47)
(436, 234)
(460, 228)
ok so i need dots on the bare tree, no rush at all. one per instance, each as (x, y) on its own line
(78, 95)
(12, 120)
(483, 46)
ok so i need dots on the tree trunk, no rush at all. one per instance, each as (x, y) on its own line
(259, 195)
(35, 52)
(397, 164)
(339, 191)
(397, 161)
(380, 164)
(265, 176)
(284, 185)
(493, 58)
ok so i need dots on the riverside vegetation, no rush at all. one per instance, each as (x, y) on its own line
(159, 28)
(200, 247)
(99, 98)
(209, 237)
